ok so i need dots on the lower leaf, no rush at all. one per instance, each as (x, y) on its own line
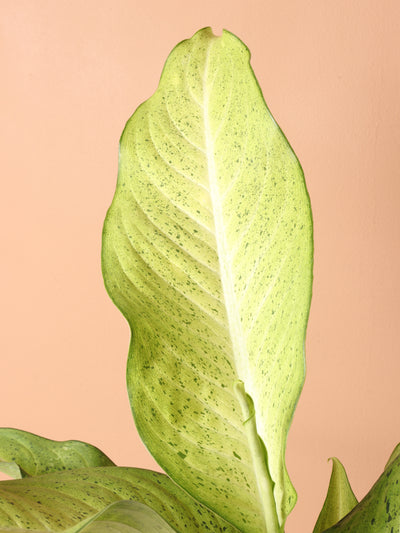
(60, 500)
(125, 517)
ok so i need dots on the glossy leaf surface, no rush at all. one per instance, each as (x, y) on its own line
(207, 251)
(339, 501)
(32, 455)
(61, 500)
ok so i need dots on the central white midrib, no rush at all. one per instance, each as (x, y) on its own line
(261, 473)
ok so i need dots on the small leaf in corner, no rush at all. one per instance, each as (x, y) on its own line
(339, 500)
(379, 510)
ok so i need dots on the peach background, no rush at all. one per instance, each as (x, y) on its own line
(72, 73)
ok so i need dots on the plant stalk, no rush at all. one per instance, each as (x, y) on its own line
(265, 484)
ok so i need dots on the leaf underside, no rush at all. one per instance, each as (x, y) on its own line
(207, 251)
(61, 500)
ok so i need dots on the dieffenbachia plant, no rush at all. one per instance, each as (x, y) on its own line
(207, 251)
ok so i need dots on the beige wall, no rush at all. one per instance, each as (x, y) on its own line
(71, 74)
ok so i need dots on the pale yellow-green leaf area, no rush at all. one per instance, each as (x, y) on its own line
(125, 517)
(207, 251)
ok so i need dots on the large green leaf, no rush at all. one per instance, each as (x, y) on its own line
(60, 500)
(25, 454)
(339, 501)
(125, 517)
(207, 251)
(379, 511)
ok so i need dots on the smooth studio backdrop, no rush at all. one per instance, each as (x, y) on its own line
(72, 72)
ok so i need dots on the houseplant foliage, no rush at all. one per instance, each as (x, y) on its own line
(207, 251)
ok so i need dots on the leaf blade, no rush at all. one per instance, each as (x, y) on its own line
(340, 499)
(125, 516)
(186, 251)
(62, 500)
(379, 510)
(11, 469)
(34, 455)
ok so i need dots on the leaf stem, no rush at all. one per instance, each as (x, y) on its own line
(265, 485)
